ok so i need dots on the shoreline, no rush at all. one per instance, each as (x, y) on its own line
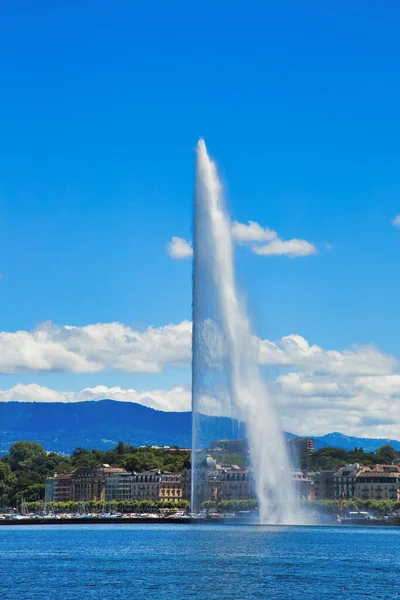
(190, 521)
(95, 521)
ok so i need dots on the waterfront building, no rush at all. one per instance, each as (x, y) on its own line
(217, 482)
(58, 488)
(344, 480)
(118, 487)
(170, 487)
(303, 484)
(151, 485)
(324, 488)
(83, 485)
(156, 485)
(186, 480)
(88, 483)
(380, 483)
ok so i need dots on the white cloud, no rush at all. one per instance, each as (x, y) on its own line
(261, 240)
(177, 399)
(294, 350)
(291, 248)
(253, 232)
(386, 385)
(299, 384)
(179, 248)
(95, 348)
(360, 406)
(308, 404)
(396, 221)
(355, 390)
(115, 346)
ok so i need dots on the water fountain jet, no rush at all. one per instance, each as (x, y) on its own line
(226, 377)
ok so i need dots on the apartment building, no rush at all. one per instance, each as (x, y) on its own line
(300, 449)
(344, 480)
(83, 485)
(152, 485)
(324, 487)
(89, 483)
(304, 485)
(380, 483)
(218, 482)
(58, 488)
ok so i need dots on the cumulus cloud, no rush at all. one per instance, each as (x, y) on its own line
(179, 248)
(360, 406)
(295, 350)
(299, 384)
(396, 221)
(253, 232)
(261, 240)
(356, 390)
(115, 346)
(94, 348)
(177, 399)
(291, 248)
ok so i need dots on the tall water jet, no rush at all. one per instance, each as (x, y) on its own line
(226, 378)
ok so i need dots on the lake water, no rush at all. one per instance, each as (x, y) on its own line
(171, 562)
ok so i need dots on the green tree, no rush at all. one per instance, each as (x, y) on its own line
(7, 483)
(24, 453)
(142, 461)
(386, 454)
(120, 448)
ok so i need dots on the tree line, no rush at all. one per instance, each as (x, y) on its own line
(112, 506)
(225, 506)
(353, 504)
(330, 458)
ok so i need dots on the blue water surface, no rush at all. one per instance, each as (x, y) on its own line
(170, 562)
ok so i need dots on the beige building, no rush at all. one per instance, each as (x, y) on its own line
(380, 483)
(217, 482)
(171, 487)
(83, 485)
(89, 483)
(152, 485)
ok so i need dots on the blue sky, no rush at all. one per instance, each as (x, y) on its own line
(101, 107)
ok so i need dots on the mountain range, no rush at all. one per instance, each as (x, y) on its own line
(61, 427)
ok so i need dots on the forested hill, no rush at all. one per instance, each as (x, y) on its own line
(61, 427)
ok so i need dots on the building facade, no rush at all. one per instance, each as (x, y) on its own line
(300, 449)
(89, 483)
(58, 488)
(324, 487)
(83, 485)
(216, 482)
(303, 485)
(380, 483)
(344, 480)
(151, 485)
